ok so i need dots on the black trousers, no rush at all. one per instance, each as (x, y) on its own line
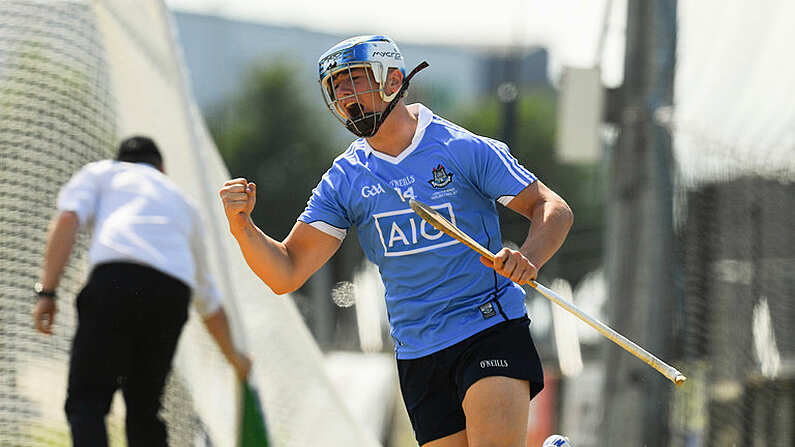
(129, 321)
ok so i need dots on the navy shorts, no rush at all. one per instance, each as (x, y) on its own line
(434, 386)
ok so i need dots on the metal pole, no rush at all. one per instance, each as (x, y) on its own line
(639, 253)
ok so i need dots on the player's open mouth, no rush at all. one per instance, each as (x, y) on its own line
(355, 110)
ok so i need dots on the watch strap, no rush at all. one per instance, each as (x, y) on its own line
(42, 292)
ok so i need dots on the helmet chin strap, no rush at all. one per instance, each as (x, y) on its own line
(368, 124)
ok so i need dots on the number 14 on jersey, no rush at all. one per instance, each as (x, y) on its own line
(405, 194)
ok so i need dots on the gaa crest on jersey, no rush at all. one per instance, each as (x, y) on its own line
(441, 177)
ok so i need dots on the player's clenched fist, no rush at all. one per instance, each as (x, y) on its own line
(514, 265)
(238, 196)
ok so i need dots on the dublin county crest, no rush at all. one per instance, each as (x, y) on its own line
(441, 177)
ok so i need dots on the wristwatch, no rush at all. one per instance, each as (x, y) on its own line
(42, 292)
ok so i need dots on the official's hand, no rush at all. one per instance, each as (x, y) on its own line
(242, 365)
(512, 264)
(238, 196)
(44, 315)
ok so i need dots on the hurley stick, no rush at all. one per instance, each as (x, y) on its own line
(439, 222)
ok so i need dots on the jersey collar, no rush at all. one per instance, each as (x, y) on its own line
(424, 118)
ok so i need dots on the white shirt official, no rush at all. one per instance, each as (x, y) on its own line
(140, 216)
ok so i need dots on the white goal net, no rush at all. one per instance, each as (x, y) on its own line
(75, 77)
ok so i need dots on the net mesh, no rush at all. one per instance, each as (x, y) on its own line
(56, 114)
(738, 340)
(733, 131)
(75, 76)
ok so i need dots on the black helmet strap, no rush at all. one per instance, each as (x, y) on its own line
(394, 101)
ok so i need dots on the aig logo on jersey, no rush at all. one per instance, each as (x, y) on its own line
(403, 232)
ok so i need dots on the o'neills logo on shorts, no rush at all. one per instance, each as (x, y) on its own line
(494, 363)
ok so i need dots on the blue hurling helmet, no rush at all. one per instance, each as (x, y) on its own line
(379, 54)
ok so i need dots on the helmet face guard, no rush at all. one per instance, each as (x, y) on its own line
(375, 56)
(357, 109)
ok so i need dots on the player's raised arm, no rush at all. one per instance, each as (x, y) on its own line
(239, 197)
(283, 266)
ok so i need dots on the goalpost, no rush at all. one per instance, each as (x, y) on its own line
(75, 77)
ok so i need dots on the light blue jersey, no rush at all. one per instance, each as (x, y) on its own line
(437, 291)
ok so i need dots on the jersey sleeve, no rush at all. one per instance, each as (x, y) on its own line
(498, 174)
(325, 210)
(80, 193)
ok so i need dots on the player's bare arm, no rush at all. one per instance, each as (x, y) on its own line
(217, 325)
(60, 240)
(283, 266)
(551, 219)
